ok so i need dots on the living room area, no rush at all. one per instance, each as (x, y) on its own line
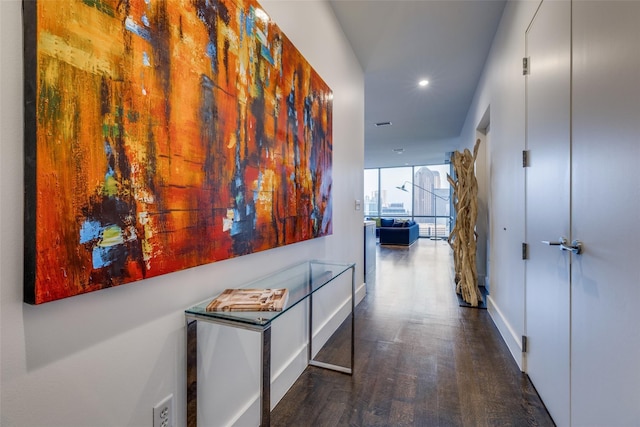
(409, 202)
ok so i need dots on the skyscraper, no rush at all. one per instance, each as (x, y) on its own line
(425, 181)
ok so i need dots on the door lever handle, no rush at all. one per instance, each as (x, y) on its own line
(575, 246)
(547, 242)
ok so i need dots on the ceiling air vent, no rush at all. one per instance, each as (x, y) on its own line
(379, 124)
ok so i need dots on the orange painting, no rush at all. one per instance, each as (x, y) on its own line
(162, 135)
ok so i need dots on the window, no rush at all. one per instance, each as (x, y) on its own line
(395, 200)
(371, 190)
(419, 192)
(432, 205)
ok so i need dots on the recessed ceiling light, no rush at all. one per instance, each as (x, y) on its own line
(423, 83)
(383, 124)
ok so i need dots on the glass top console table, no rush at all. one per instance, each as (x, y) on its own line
(302, 281)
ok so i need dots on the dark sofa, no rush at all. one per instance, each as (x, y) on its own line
(398, 232)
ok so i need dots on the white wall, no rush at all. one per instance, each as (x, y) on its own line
(106, 358)
(501, 89)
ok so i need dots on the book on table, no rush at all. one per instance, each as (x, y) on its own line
(250, 300)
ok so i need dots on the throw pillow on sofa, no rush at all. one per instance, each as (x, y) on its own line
(385, 222)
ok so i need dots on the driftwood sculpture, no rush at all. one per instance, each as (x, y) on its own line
(462, 238)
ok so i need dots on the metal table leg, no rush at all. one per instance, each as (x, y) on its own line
(192, 373)
(265, 378)
(333, 367)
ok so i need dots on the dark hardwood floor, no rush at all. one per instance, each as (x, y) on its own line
(420, 359)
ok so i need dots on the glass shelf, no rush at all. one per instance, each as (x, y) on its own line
(301, 280)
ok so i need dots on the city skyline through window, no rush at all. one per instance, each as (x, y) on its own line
(421, 193)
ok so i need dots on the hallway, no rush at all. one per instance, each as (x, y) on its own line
(420, 359)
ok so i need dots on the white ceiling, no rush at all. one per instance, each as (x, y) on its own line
(399, 42)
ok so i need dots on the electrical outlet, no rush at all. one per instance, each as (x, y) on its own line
(163, 413)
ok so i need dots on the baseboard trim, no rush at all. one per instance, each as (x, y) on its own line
(361, 292)
(510, 337)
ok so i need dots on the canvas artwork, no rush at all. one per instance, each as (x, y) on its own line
(162, 135)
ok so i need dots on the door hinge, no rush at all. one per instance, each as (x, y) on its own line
(525, 66)
(525, 158)
(524, 344)
(525, 251)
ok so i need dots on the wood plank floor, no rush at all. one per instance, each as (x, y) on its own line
(420, 359)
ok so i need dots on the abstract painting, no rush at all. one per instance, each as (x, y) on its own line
(163, 135)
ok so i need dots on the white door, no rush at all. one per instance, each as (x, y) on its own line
(547, 206)
(605, 340)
